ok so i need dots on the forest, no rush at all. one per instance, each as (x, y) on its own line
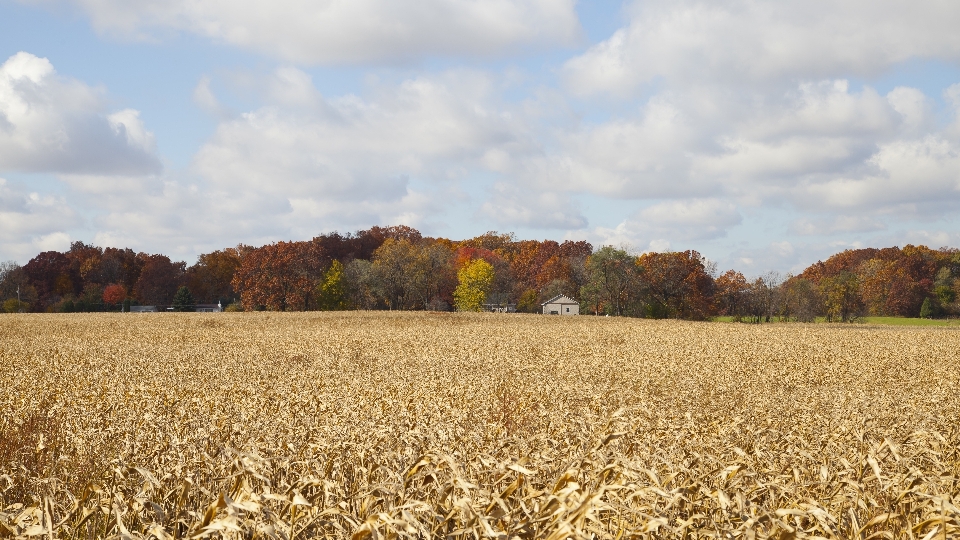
(397, 268)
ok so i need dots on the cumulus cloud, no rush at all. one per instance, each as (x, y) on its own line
(828, 225)
(31, 222)
(820, 147)
(349, 31)
(661, 225)
(307, 155)
(912, 176)
(511, 205)
(695, 41)
(50, 123)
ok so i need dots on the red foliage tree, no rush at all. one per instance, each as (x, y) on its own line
(114, 294)
(279, 277)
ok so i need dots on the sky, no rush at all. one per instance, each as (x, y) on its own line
(766, 135)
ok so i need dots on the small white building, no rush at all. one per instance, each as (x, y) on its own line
(561, 305)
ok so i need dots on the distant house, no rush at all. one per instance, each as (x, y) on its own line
(499, 303)
(500, 308)
(561, 305)
(143, 309)
(209, 308)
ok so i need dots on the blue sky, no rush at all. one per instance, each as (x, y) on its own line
(765, 135)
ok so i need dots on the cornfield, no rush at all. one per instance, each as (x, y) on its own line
(417, 425)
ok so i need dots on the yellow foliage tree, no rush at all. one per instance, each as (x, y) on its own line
(330, 292)
(475, 279)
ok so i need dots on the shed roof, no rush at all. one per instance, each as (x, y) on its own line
(562, 300)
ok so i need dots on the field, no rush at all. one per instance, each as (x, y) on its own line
(406, 425)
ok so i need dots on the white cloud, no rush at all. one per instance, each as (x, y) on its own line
(349, 31)
(58, 241)
(31, 222)
(306, 155)
(54, 124)
(912, 176)
(820, 147)
(760, 42)
(828, 225)
(511, 205)
(670, 222)
(692, 219)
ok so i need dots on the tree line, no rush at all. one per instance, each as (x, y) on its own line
(398, 268)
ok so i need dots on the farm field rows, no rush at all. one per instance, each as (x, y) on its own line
(422, 425)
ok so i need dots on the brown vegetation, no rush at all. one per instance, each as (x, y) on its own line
(403, 425)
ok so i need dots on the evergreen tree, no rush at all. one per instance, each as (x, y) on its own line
(183, 300)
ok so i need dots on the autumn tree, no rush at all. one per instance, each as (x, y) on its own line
(431, 278)
(159, 280)
(841, 297)
(53, 275)
(891, 281)
(475, 279)
(114, 294)
(330, 292)
(501, 289)
(391, 263)
(763, 297)
(86, 261)
(801, 299)
(732, 295)
(120, 266)
(677, 285)
(359, 284)
(535, 264)
(210, 278)
(278, 277)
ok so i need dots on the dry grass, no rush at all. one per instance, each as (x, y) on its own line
(374, 425)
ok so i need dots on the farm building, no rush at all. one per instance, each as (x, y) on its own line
(561, 305)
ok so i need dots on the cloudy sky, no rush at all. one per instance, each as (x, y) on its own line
(766, 135)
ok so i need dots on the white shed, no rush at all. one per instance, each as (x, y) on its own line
(561, 305)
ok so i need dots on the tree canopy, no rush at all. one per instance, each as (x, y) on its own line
(398, 268)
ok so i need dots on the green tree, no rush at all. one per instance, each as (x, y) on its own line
(183, 300)
(611, 277)
(475, 280)
(331, 295)
(930, 308)
(12, 305)
(528, 302)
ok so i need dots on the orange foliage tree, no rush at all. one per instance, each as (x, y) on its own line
(278, 277)
(731, 294)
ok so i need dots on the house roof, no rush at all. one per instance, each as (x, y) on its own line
(561, 299)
